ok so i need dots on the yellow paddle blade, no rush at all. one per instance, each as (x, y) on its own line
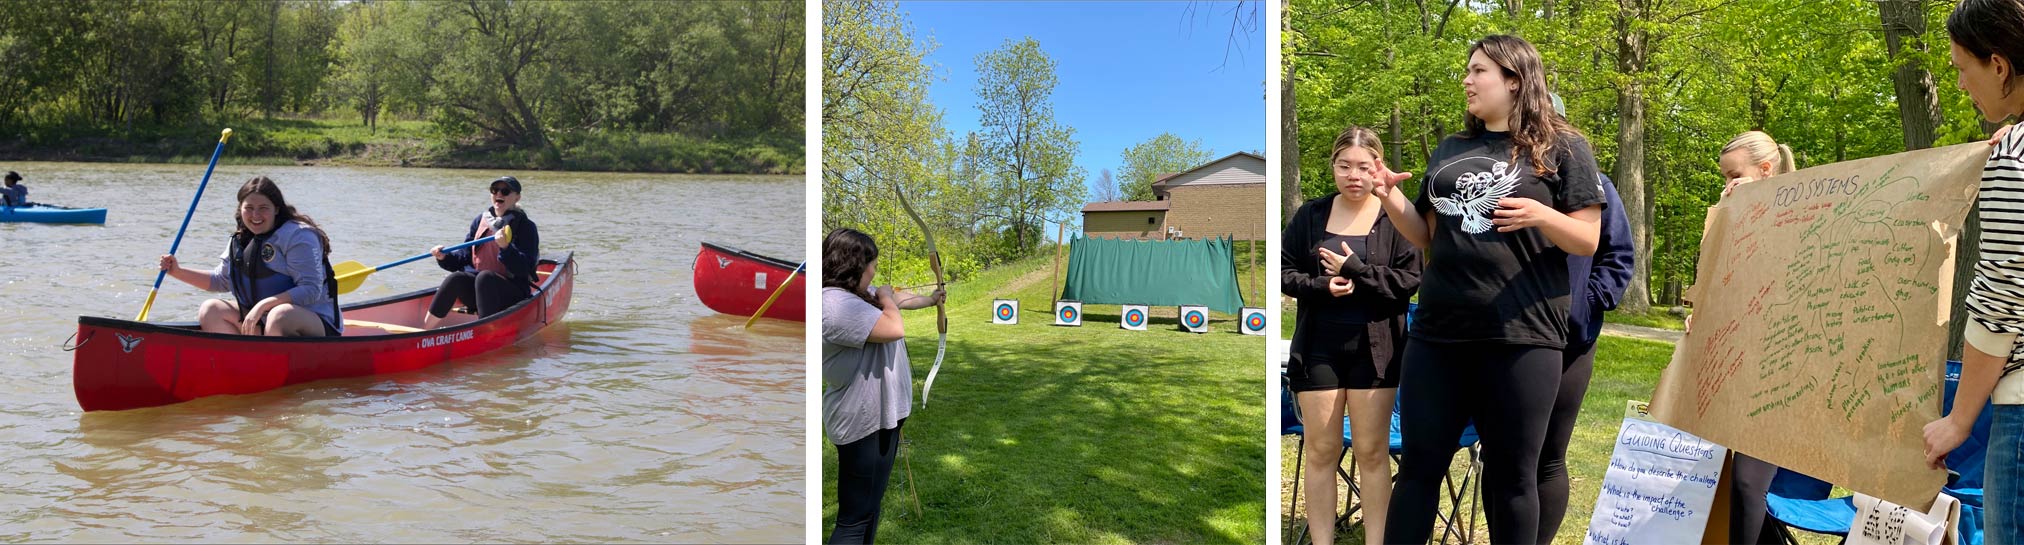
(351, 275)
(145, 306)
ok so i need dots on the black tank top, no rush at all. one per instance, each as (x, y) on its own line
(1343, 310)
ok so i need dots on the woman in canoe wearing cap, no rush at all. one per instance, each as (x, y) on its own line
(490, 277)
(277, 268)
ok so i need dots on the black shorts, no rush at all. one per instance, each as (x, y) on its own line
(1340, 359)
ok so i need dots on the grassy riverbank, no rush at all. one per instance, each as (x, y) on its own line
(405, 144)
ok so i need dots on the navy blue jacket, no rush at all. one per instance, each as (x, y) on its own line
(1597, 282)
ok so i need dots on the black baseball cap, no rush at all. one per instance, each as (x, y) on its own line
(14, 176)
(509, 181)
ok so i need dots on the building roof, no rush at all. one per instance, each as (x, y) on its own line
(1127, 206)
(1162, 181)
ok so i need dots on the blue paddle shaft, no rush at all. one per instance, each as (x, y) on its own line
(159, 275)
(425, 254)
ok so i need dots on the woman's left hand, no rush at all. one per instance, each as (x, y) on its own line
(1514, 213)
(1942, 436)
(938, 297)
(250, 325)
(1331, 262)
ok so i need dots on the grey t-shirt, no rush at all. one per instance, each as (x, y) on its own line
(867, 386)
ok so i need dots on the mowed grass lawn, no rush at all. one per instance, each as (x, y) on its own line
(1094, 434)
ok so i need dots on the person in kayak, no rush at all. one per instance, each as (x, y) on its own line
(868, 386)
(493, 276)
(277, 267)
(14, 194)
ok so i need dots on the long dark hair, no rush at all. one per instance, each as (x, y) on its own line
(846, 253)
(1534, 126)
(1990, 27)
(283, 213)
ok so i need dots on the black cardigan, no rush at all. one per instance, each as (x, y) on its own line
(1386, 279)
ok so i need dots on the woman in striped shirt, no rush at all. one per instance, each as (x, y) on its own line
(1988, 41)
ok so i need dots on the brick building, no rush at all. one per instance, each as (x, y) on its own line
(1224, 197)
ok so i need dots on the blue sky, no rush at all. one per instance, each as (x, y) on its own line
(1126, 71)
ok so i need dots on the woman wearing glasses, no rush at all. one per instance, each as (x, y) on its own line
(493, 276)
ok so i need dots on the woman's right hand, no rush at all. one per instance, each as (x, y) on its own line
(887, 297)
(1386, 180)
(1998, 138)
(168, 263)
(437, 252)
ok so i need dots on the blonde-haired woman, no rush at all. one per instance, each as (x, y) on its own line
(1749, 157)
(1753, 156)
(1353, 274)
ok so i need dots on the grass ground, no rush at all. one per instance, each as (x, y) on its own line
(1094, 434)
(345, 141)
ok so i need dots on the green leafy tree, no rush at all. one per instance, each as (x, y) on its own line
(1161, 155)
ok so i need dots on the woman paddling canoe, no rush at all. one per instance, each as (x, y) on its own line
(490, 277)
(277, 267)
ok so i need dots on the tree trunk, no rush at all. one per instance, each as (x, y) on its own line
(1904, 27)
(1289, 131)
(1631, 57)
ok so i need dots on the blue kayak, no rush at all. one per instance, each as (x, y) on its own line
(43, 213)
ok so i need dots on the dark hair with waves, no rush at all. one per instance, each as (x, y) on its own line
(1534, 126)
(283, 213)
(846, 254)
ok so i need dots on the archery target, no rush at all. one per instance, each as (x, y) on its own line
(1068, 313)
(1133, 318)
(1195, 318)
(1005, 311)
(1254, 321)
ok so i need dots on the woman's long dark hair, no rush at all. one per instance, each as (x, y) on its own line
(283, 213)
(846, 253)
(1534, 126)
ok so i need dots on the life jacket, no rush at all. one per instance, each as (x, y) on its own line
(254, 278)
(485, 257)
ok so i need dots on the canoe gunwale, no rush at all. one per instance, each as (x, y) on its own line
(189, 329)
(774, 261)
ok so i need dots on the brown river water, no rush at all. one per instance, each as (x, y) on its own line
(643, 417)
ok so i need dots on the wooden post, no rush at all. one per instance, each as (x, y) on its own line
(1060, 241)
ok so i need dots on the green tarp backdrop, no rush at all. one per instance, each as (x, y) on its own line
(1153, 272)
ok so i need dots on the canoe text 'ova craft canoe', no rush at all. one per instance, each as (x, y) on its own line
(121, 364)
(43, 213)
(734, 281)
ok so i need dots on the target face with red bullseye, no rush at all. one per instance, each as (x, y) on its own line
(1195, 319)
(1256, 322)
(1068, 314)
(1135, 318)
(1004, 312)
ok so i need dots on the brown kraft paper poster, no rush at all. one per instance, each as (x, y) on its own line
(1820, 319)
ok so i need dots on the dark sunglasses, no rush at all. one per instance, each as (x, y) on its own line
(502, 190)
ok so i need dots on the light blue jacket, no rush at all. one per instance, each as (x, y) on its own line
(298, 255)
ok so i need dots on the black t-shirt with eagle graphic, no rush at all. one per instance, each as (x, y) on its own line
(1482, 285)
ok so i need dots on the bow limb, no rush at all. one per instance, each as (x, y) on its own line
(941, 307)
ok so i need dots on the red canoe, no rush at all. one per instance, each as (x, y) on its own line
(734, 281)
(122, 364)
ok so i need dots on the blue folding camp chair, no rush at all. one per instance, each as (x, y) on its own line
(1800, 501)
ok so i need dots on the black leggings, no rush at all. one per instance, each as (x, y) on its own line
(1577, 364)
(1507, 391)
(1749, 514)
(863, 467)
(485, 292)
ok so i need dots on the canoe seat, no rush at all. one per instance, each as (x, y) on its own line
(389, 328)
